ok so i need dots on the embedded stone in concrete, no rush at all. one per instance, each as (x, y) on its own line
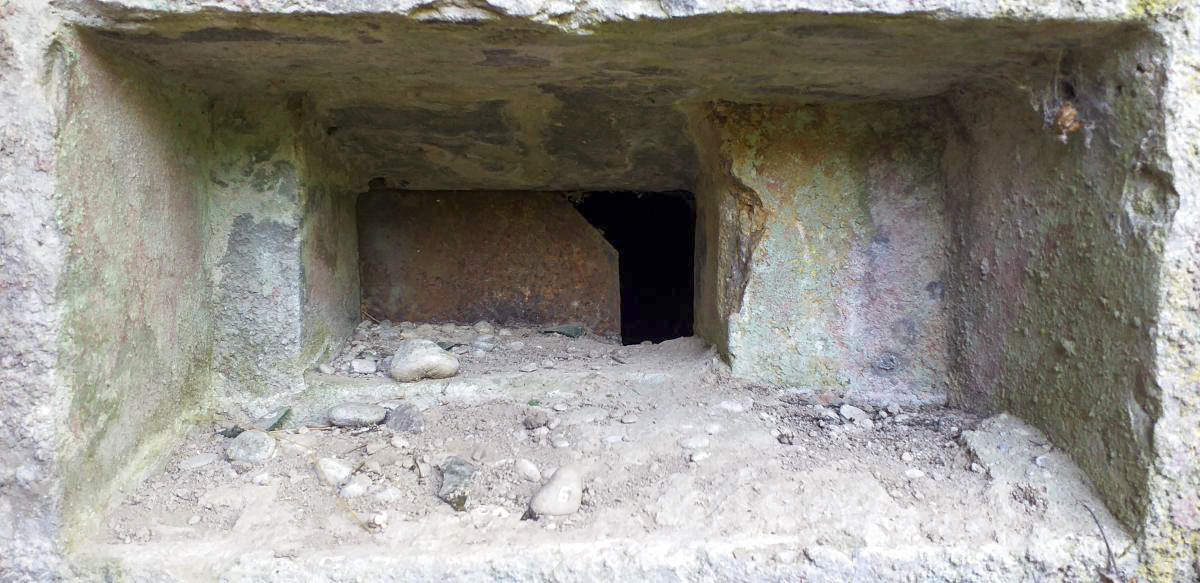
(418, 359)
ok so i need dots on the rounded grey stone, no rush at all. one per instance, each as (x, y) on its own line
(253, 446)
(356, 415)
(405, 418)
(422, 359)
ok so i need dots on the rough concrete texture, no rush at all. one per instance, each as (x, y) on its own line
(599, 95)
(501, 102)
(1055, 273)
(282, 250)
(1060, 280)
(508, 257)
(841, 281)
(1171, 535)
(134, 294)
(33, 404)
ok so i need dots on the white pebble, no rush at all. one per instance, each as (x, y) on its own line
(528, 470)
(562, 495)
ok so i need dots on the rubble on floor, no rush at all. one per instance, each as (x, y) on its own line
(661, 467)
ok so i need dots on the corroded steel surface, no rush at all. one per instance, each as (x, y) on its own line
(507, 257)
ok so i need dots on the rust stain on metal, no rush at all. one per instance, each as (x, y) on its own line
(506, 257)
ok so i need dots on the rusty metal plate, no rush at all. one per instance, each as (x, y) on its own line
(507, 257)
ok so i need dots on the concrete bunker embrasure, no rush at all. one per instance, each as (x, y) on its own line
(873, 210)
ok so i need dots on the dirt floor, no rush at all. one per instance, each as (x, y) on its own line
(689, 475)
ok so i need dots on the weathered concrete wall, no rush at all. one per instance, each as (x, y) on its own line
(255, 253)
(134, 291)
(507, 257)
(282, 250)
(831, 226)
(33, 399)
(1171, 536)
(1135, 411)
(1056, 255)
(329, 237)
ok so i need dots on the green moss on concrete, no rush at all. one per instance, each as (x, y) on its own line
(1055, 279)
(135, 292)
(837, 215)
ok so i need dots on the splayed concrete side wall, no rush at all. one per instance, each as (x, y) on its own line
(1057, 246)
(134, 293)
(827, 239)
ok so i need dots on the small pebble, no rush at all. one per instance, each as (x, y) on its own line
(326, 369)
(357, 486)
(456, 482)
(253, 446)
(262, 479)
(553, 423)
(698, 442)
(528, 470)
(914, 474)
(560, 496)
(731, 406)
(515, 345)
(698, 456)
(560, 443)
(195, 519)
(560, 407)
(405, 418)
(333, 472)
(528, 367)
(906, 456)
(629, 418)
(536, 418)
(197, 461)
(356, 415)
(852, 413)
(363, 366)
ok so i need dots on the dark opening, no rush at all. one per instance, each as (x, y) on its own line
(654, 235)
